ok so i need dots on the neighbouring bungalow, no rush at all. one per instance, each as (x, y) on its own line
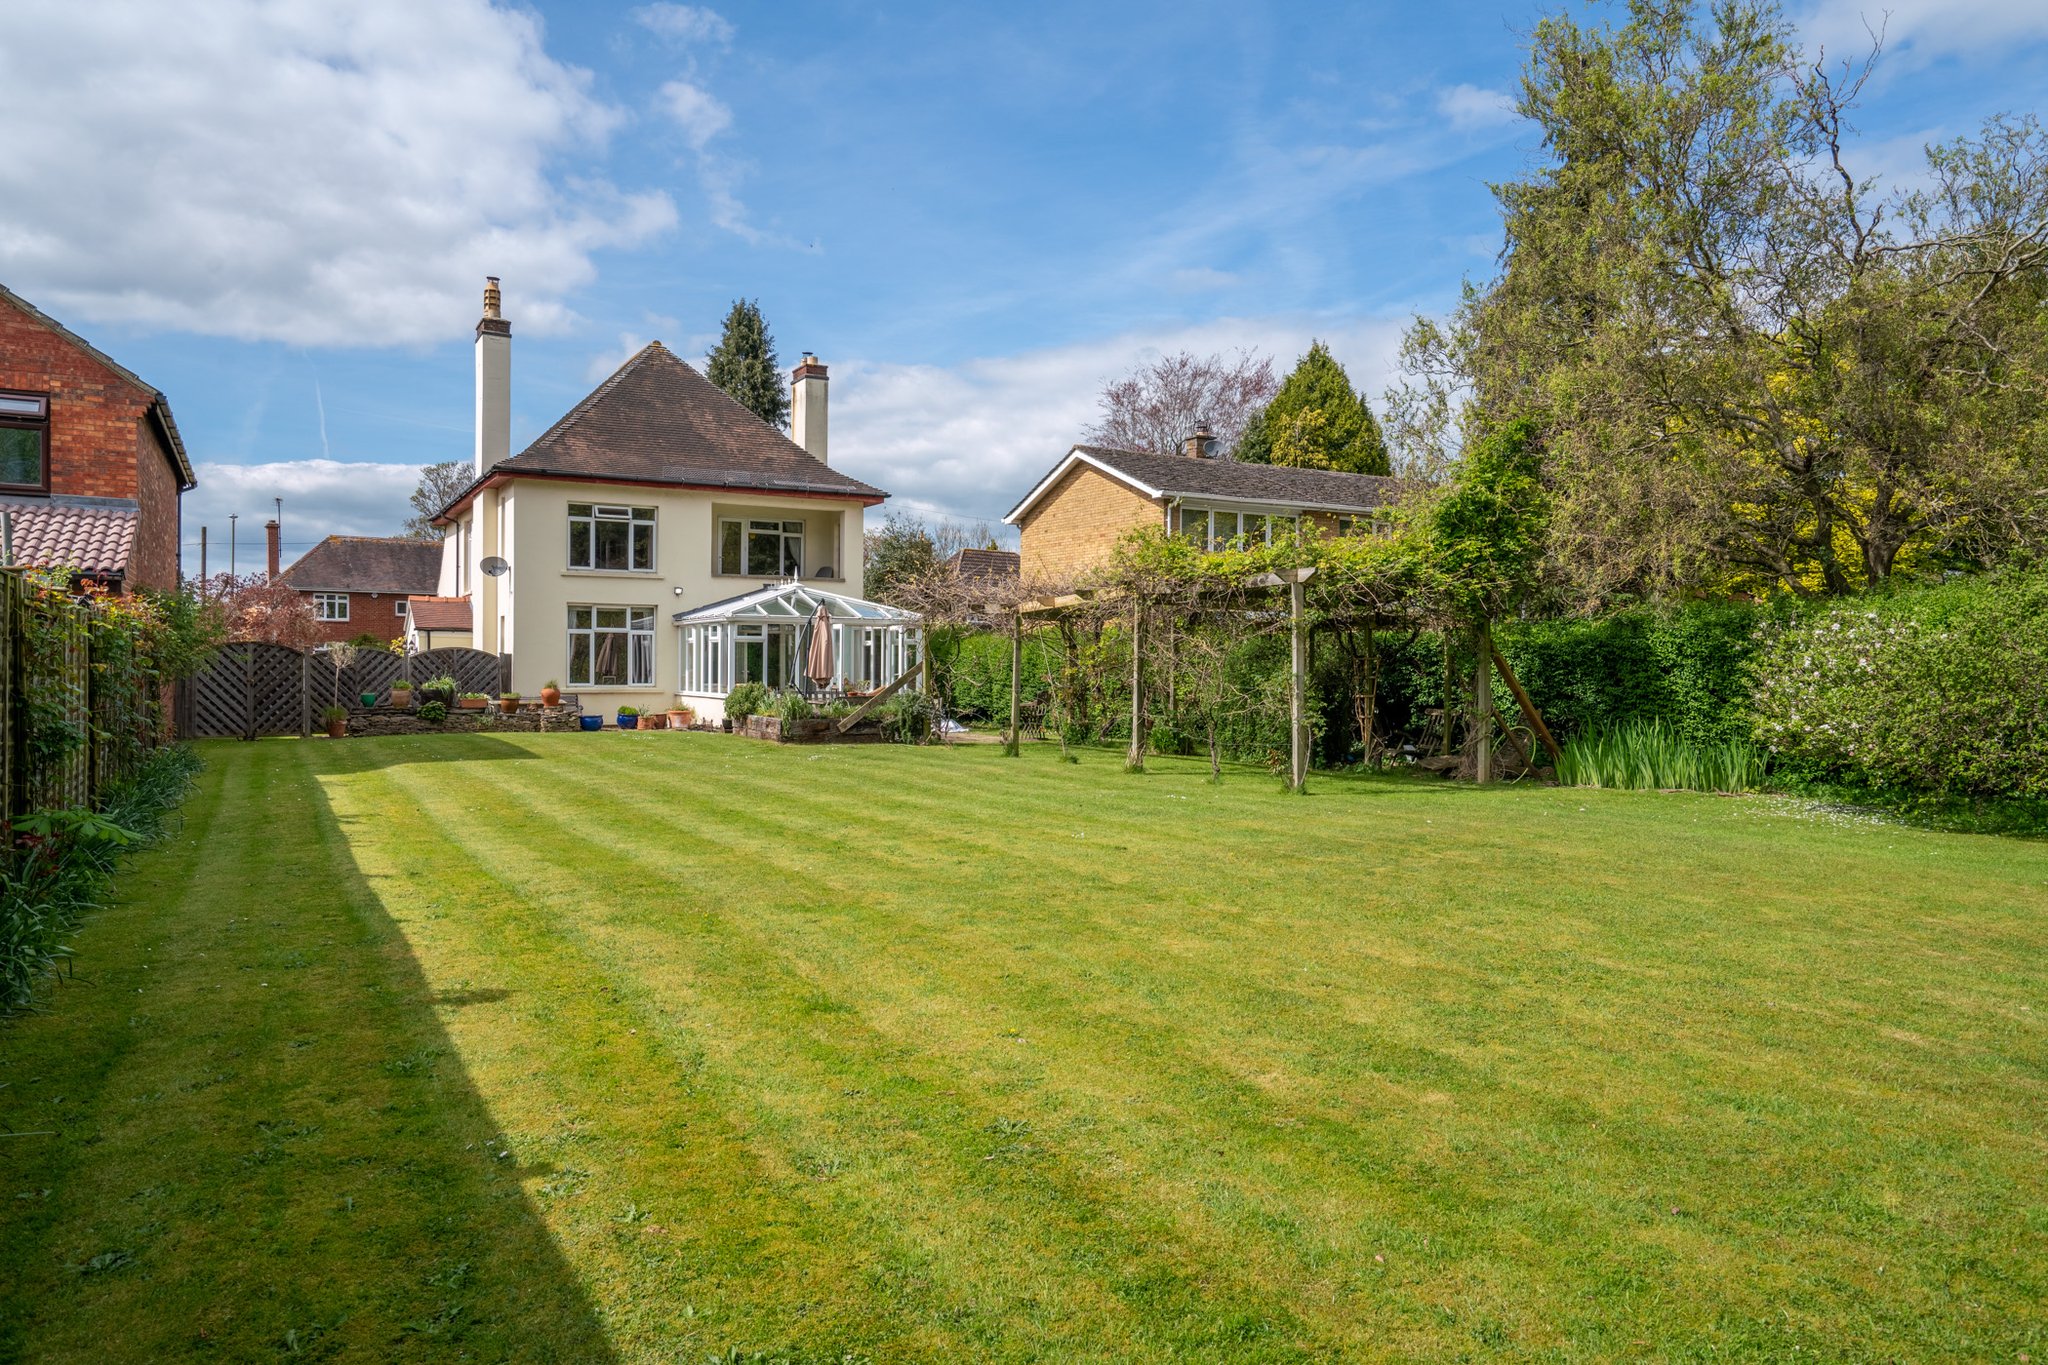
(983, 566)
(659, 496)
(1072, 519)
(360, 585)
(91, 464)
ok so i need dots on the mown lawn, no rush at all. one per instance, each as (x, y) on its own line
(650, 1047)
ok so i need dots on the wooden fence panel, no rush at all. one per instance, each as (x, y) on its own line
(277, 690)
(255, 689)
(472, 669)
(372, 670)
(217, 700)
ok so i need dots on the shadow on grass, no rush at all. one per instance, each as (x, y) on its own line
(364, 753)
(269, 1146)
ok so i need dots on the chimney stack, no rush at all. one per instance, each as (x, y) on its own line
(493, 381)
(807, 406)
(272, 535)
(1197, 445)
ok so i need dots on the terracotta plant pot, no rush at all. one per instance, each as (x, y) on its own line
(508, 705)
(551, 696)
(472, 703)
(401, 696)
(337, 729)
(653, 720)
(679, 720)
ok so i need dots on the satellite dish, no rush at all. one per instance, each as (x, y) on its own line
(495, 567)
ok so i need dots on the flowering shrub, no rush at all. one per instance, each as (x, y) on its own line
(1937, 691)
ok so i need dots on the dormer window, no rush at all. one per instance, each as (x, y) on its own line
(615, 538)
(24, 441)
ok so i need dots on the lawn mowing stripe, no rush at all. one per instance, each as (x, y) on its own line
(465, 799)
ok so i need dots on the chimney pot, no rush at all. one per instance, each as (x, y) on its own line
(1197, 444)
(493, 301)
(274, 547)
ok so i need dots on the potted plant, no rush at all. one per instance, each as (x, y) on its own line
(508, 702)
(401, 693)
(629, 717)
(550, 693)
(681, 717)
(441, 689)
(336, 719)
(473, 701)
(433, 712)
(653, 720)
(590, 722)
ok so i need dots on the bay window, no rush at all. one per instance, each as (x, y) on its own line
(611, 646)
(615, 538)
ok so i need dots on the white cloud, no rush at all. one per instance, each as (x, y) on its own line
(1919, 31)
(696, 111)
(604, 363)
(321, 498)
(318, 174)
(968, 440)
(685, 23)
(1468, 107)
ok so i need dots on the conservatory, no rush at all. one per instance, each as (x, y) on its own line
(766, 636)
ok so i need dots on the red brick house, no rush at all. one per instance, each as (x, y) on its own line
(91, 463)
(358, 585)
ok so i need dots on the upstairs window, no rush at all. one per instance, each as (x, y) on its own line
(604, 537)
(763, 549)
(330, 606)
(24, 441)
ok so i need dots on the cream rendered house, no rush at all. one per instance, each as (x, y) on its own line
(656, 498)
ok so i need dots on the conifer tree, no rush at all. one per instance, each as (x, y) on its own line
(1316, 421)
(744, 365)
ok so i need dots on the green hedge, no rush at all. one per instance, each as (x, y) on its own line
(1688, 667)
(1940, 690)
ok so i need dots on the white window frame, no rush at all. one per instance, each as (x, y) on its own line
(784, 529)
(398, 607)
(324, 607)
(1183, 512)
(632, 517)
(635, 633)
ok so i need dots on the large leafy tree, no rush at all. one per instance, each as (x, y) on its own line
(1756, 372)
(439, 484)
(1316, 421)
(744, 364)
(1158, 405)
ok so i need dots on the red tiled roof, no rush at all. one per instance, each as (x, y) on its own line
(94, 539)
(439, 613)
(393, 564)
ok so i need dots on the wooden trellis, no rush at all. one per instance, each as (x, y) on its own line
(255, 689)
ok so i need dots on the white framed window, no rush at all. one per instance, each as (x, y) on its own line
(762, 549)
(611, 646)
(330, 606)
(1215, 528)
(703, 659)
(398, 607)
(607, 537)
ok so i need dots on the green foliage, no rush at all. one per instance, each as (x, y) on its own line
(60, 863)
(1486, 533)
(976, 676)
(1316, 421)
(748, 699)
(907, 717)
(1933, 690)
(897, 555)
(331, 714)
(790, 705)
(433, 712)
(439, 485)
(1650, 755)
(744, 364)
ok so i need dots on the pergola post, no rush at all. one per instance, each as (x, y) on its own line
(1135, 760)
(1482, 704)
(1014, 745)
(1297, 690)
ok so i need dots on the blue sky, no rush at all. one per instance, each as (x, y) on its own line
(282, 215)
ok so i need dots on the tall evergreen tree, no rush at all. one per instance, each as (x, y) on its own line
(1316, 421)
(744, 365)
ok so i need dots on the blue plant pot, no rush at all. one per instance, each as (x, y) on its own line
(591, 722)
(628, 722)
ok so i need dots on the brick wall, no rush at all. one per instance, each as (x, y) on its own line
(102, 444)
(1074, 526)
(365, 612)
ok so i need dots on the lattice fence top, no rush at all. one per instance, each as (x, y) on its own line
(256, 689)
(472, 669)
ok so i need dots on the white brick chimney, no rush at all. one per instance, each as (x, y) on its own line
(807, 406)
(493, 381)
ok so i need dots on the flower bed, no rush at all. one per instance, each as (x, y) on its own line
(396, 720)
(822, 730)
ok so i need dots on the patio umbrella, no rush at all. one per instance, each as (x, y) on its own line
(818, 663)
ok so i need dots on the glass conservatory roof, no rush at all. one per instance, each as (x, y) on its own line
(794, 602)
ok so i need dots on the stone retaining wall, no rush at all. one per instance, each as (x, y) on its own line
(819, 731)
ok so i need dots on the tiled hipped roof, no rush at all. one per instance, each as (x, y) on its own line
(1182, 476)
(439, 613)
(656, 420)
(985, 564)
(93, 538)
(390, 564)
